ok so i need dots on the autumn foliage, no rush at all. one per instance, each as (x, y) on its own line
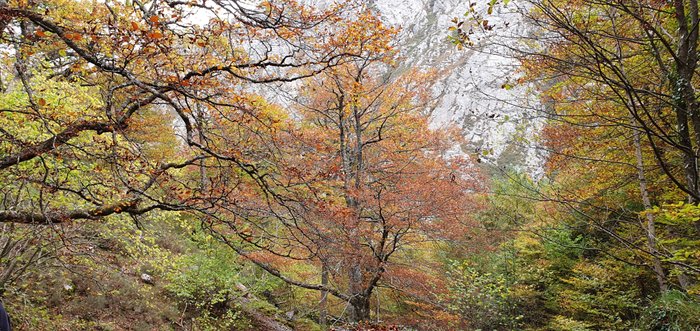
(164, 109)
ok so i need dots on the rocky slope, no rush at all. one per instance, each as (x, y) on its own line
(479, 90)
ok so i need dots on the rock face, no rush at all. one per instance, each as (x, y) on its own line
(479, 90)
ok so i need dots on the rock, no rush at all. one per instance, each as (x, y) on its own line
(146, 278)
(241, 287)
(289, 315)
(68, 288)
(477, 83)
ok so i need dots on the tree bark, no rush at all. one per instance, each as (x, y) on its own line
(683, 91)
(650, 226)
(359, 308)
(323, 304)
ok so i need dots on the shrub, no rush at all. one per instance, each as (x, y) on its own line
(672, 311)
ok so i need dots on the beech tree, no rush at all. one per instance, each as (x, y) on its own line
(362, 182)
(394, 183)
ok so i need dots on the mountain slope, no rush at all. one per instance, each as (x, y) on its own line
(479, 90)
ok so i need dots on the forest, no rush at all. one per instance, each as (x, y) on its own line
(282, 165)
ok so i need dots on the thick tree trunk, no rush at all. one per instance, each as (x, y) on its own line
(688, 19)
(683, 91)
(689, 164)
(359, 302)
(359, 308)
(355, 291)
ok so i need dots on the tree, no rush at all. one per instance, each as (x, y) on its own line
(365, 182)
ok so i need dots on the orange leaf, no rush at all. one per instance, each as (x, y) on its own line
(134, 26)
(42, 102)
(74, 36)
(155, 35)
(41, 34)
(153, 19)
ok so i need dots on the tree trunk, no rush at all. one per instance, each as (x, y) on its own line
(684, 140)
(323, 304)
(682, 90)
(683, 280)
(650, 226)
(359, 308)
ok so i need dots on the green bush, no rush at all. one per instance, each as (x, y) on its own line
(206, 280)
(672, 311)
(484, 300)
